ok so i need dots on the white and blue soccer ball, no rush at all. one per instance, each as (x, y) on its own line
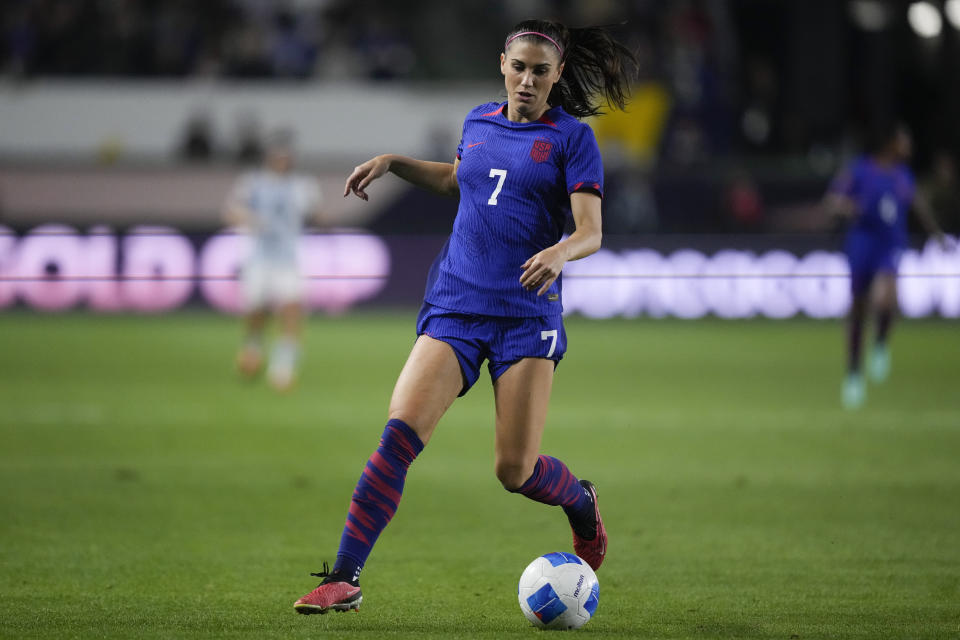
(558, 591)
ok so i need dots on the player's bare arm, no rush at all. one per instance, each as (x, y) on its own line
(924, 212)
(236, 214)
(544, 268)
(840, 206)
(438, 177)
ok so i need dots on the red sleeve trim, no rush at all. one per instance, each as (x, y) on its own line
(592, 187)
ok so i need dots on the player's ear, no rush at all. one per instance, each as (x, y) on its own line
(503, 60)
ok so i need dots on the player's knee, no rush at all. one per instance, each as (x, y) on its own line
(858, 306)
(420, 426)
(512, 474)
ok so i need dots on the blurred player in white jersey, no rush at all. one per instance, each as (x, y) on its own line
(272, 205)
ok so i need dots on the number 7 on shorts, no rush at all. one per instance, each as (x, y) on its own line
(550, 335)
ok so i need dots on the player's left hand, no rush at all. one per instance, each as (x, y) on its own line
(543, 269)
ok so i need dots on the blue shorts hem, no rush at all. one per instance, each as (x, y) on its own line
(501, 341)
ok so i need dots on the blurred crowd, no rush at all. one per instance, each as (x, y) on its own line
(726, 88)
(689, 47)
(322, 38)
(156, 38)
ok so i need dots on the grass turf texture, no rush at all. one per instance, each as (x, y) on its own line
(146, 492)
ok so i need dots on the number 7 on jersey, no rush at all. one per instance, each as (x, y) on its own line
(502, 175)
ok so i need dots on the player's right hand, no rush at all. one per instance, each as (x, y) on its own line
(841, 207)
(364, 174)
(945, 242)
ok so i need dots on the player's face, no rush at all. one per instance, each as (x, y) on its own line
(279, 159)
(530, 69)
(903, 144)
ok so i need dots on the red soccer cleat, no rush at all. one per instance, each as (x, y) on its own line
(332, 593)
(593, 550)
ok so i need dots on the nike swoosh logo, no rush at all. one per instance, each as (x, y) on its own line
(473, 144)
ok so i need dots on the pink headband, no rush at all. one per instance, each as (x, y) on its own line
(533, 33)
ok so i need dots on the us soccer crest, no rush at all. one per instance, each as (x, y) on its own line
(540, 150)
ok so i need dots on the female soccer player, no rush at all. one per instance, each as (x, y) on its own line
(272, 205)
(493, 293)
(875, 193)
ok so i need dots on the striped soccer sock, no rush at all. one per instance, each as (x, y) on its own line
(377, 495)
(552, 483)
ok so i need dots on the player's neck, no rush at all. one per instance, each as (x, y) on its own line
(886, 160)
(515, 116)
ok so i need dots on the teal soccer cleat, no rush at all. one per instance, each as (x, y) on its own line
(879, 365)
(854, 391)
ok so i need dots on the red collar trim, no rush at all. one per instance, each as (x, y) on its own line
(499, 111)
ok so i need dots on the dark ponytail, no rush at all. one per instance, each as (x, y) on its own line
(596, 66)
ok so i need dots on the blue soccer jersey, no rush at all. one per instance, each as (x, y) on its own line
(883, 196)
(515, 183)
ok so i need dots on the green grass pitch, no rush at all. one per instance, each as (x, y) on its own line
(145, 492)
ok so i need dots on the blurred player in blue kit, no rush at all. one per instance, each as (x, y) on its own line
(272, 205)
(494, 292)
(873, 194)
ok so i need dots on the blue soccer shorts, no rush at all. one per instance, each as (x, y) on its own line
(500, 341)
(868, 257)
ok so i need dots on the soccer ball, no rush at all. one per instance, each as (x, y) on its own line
(558, 591)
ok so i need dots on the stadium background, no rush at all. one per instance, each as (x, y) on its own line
(747, 503)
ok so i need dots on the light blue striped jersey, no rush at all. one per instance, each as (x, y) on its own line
(280, 204)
